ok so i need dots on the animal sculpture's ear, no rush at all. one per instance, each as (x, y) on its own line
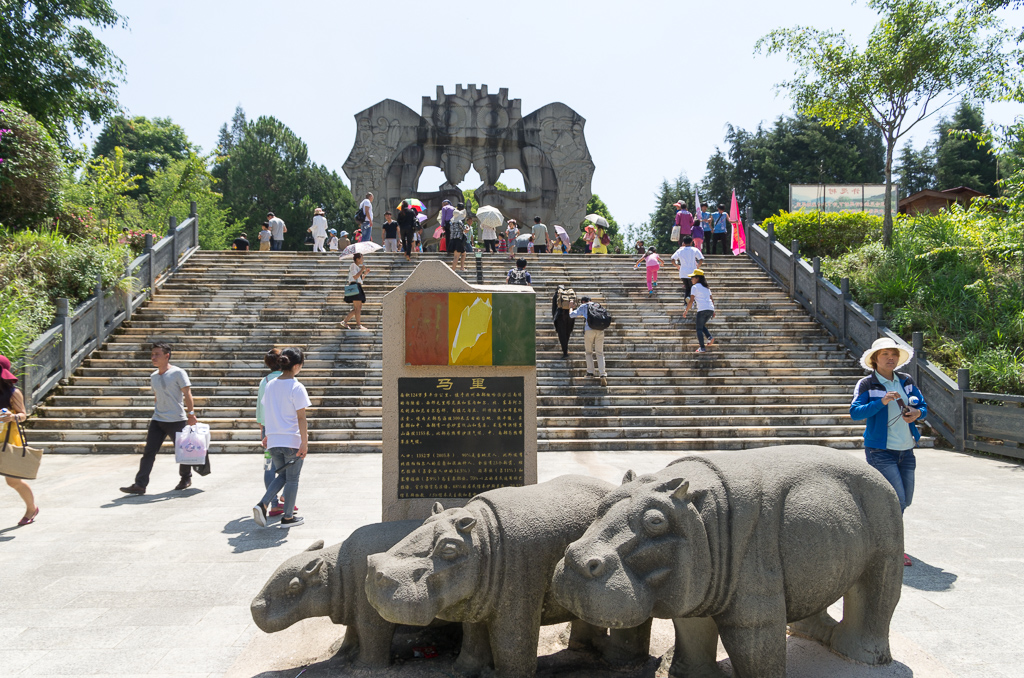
(629, 477)
(678, 487)
(465, 524)
(437, 508)
(315, 567)
(317, 545)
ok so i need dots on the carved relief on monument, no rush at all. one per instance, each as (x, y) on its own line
(474, 128)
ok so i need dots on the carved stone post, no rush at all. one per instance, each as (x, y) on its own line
(771, 246)
(918, 344)
(64, 319)
(816, 264)
(172, 231)
(794, 261)
(99, 309)
(963, 384)
(194, 214)
(844, 287)
(878, 321)
(151, 283)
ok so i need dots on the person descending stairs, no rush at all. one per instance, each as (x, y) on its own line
(774, 377)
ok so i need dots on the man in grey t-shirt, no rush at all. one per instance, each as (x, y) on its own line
(277, 231)
(541, 241)
(174, 410)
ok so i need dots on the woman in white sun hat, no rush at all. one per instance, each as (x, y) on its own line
(891, 404)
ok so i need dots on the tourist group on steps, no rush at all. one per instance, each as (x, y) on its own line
(887, 400)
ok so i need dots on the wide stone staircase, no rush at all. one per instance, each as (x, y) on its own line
(773, 376)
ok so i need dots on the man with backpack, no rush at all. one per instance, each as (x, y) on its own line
(561, 305)
(518, 275)
(596, 320)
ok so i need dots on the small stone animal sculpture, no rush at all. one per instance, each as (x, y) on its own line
(328, 582)
(740, 544)
(490, 564)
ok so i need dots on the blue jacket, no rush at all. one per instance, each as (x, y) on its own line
(867, 404)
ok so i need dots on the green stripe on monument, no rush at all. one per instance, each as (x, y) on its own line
(514, 329)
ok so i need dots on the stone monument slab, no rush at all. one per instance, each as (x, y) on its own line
(459, 391)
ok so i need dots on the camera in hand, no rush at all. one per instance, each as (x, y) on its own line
(905, 409)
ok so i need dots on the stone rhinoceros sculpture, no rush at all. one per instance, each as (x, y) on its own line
(740, 544)
(489, 564)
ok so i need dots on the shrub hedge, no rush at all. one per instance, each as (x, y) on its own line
(825, 234)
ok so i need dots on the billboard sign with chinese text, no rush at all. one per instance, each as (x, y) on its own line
(869, 198)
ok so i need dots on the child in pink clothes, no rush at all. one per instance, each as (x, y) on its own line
(653, 264)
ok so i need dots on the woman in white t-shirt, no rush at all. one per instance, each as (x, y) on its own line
(700, 295)
(354, 290)
(286, 437)
(319, 230)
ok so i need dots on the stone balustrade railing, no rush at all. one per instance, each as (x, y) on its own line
(76, 333)
(966, 419)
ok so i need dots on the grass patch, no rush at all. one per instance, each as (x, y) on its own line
(956, 277)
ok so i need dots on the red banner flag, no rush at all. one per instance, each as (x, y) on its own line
(739, 236)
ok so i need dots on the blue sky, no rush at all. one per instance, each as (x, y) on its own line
(657, 81)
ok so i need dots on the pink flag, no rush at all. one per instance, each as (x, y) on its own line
(739, 236)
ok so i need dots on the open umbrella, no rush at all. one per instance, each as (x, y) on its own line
(490, 217)
(414, 204)
(562, 235)
(361, 247)
(439, 231)
(597, 219)
(421, 217)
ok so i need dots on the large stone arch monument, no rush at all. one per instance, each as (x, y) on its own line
(473, 128)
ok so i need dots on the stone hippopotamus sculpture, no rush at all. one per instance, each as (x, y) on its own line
(739, 544)
(328, 582)
(490, 563)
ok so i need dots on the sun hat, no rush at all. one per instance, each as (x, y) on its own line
(906, 353)
(318, 211)
(588, 227)
(677, 204)
(332, 230)
(5, 369)
(696, 272)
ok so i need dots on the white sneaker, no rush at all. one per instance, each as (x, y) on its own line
(259, 514)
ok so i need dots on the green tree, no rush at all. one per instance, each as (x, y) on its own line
(148, 145)
(915, 169)
(172, 190)
(53, 65)
(227, 139)
(761, 165)
(31, 170)
(963, 155)
(919, 57)
(105, 186)
(269, 171)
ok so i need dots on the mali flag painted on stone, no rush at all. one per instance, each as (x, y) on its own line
(470, 328)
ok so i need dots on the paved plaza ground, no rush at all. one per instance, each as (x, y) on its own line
(160, 585)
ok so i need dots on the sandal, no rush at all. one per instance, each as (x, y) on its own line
(28, 520)
(907, 562)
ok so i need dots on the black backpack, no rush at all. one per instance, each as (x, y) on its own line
(517, 277)
(598, 317)
(360, 216)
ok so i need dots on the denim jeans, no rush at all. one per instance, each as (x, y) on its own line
(288, 479)
(897, 466)
(701, 322)
(275, 245)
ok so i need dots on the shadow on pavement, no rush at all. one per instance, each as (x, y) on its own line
(925, 577)
(152, 498)
(248, 536)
